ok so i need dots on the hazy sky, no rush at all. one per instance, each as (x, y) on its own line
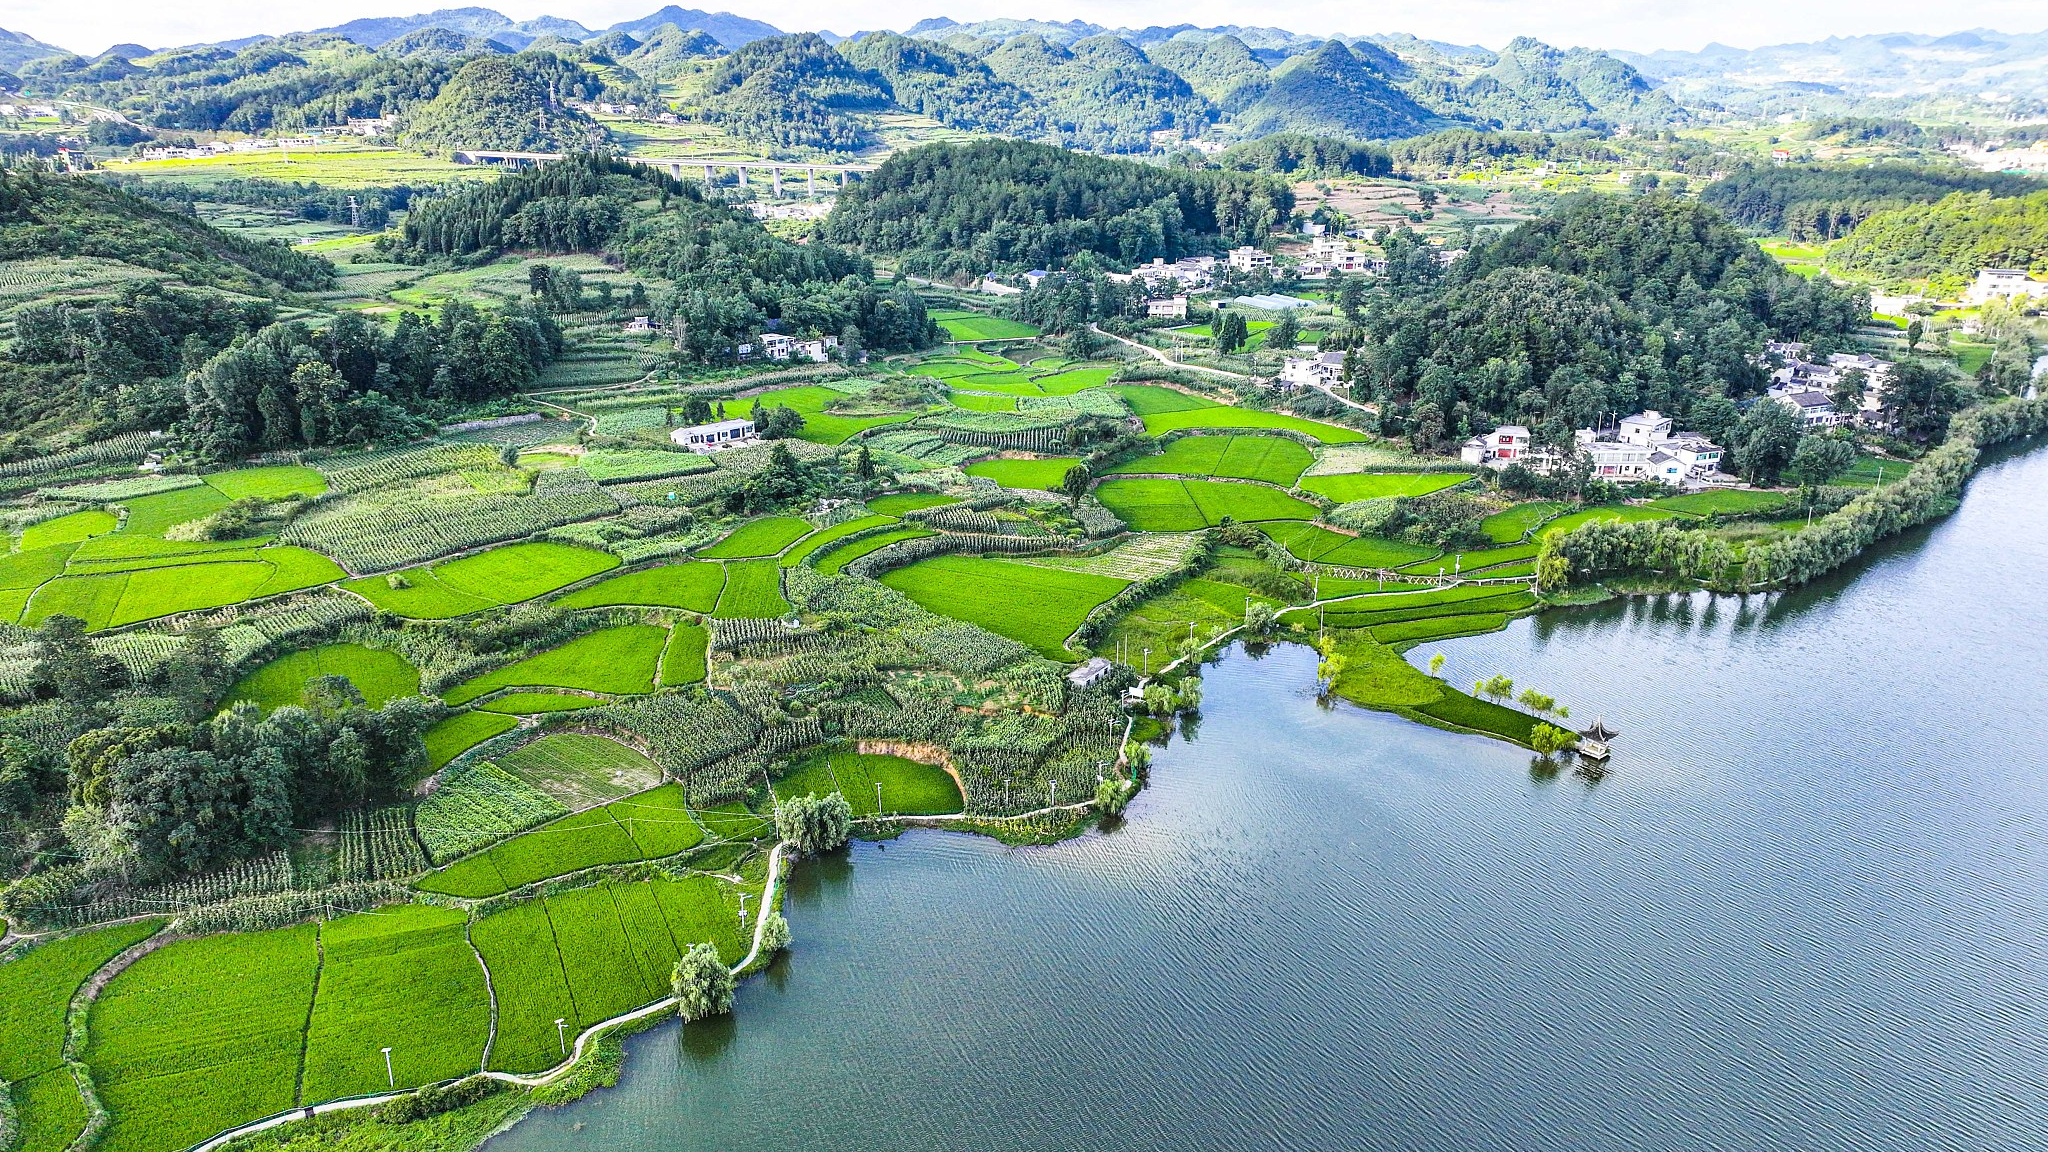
(90, 26)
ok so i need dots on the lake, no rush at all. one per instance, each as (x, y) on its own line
(1804, 909)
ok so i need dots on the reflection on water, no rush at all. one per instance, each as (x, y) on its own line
(1802, 911)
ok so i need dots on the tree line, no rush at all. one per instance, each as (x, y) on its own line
(1824, 202)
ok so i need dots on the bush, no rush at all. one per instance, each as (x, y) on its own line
(432, 1100)
(702, 983)
(813, 824)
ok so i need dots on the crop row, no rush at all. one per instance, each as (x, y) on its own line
(378, 845)
(378, 535)
(368, 470)
(127, 448)
(125, 488)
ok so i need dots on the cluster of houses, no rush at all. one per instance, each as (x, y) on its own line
(1324, 370)
(1645, 446)
(1808, 386)
(776, 346)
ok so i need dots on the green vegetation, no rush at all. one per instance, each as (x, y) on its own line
(465, 730)
(831, 562)
(534, 703)
(614, 660)
(36, 988)
(1273, 459)
(377, 674)
(753, 591)
(477, 805)
(1314, 542)
(1947, 242)
(1040, 474)
(645, 826)
(161, 578)
(683, 662)
(403, 978)
(1217, 416)
(507, 575)
(70, 528)
(759, 538)
(276, 482)
(1620, 514)
(1375, 485)
(1517, 522)
(908, 788)
(1151, 505)
(1722, 502)
(824, 537)
(693, 587)
(1039, 607)
(897, 503)
(580, 769)
(979, 326)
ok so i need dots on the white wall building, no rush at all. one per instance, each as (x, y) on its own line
(1323, 370)
(776, 346)
(1172, 308)
(1505, 445)
(1250, 259)
(2012, 283)
(714, 436)
(1646, 446)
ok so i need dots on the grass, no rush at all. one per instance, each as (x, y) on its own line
(1161, 623)
(690, 586)
(459, 733)
(535, 703)
(275, 482)
(202, 1035)
(1038, 607)
(1217, 416)
(1273, 459)
(961, 325)
(831, 562)
(897, 503)
(1374, 485)
(1868, 471)
(1040, 474)
(70, 528)
(36, 989)
(1321, 545)
(579, 769)
(909, 788)
(153, 515)
(753, 591)
(820, 426)
(645, 826)
(1722, 502)
(1616, 514)
(618, 660)
(50, 1110)
(403, 977)
(683, 662)
(1515, 523)
(1159, 505)
(377, 674)
(507, 575)
(1154, 399)
(826, 536)
(765, 537)
(1472, 560)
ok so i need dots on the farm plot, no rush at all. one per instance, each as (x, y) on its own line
(1620, 514)
(683, 661)
(1396, 607)
(1040, 473)
(274, 482)
(897, 503)
(378, 675)
(1154, 399)
(831, 562)
(70, 528)
(1161, 505)
(618, 660)
(961, 325)
(617, 465)
(1472, 561)
(50, 1110)
(1374, 485)
(402, 978)
(36, 988)
(753, 591)
(824, 537)
(1273, 459)
(202, 1035)
(821, 426)
(735, 821)
(755, 538)
(395, 527)
(1722, 502)
(579, 770)
(1139, 558)
(152, 515)
(908, 788)
(518, 945)
(164, 586)
(1319, 544)
(606, 973)
(465, 730)
(507, 575)
(535, 703)
(645, 826)
(1515, 523)
(691, 586)
(1161, 622)
(1218, 416)
(1038, 607)
(478, 805)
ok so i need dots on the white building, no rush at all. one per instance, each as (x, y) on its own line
(638, 325)
(1250, 259)
(776, 346)
(1799, 379)
(712, 437)
(1810, 404)
(1323, 370)
(1190, 273)
(990, 286)
(2011, 283)
(1646, 446)
(1505, 445)
(1172, 308)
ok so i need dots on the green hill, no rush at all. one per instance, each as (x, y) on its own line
(794, 92)
(506, 103)
(1948, 242)
(948, 85)
(1101, 94)
(1334, 91)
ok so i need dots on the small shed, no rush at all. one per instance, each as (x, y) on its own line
(1089, 673)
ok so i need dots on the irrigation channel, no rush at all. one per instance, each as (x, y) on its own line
(1803, 910)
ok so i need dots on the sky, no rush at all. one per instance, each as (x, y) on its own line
(90, 26)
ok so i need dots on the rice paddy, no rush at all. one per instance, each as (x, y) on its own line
(1019, 472)
(618, 660)
(1374, 485)
(1038, 607)
(1161, 505)
(691, 586)
(962, 325)
(906, 787)
(1273, 459)
(378, 675)
(506, 575)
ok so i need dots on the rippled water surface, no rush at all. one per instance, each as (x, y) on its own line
(1804, 910)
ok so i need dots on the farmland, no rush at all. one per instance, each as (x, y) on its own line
(644, 826)
(695, 587)
(507, 575)
(377, 675)
(1039, 607)
(614, 660)
(1025, 473)
(908, 788)
(759, 538)
(1159, 505)
(1273, 459)
(1373, 485)
(962, 325)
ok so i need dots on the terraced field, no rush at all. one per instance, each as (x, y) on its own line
(507, 575)
(1373, 485)
(1038, 607)
(1273, 459)
(1161, 505)
(377, 674)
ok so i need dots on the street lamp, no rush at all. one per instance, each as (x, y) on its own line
(744, 897)
(878, 799)
(389, 1079)
(562, 1036)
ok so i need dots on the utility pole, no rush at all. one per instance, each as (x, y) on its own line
(562, 1036)
(390, 1080)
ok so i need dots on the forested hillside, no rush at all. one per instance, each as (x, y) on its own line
(1815, 202)
(510, 103)
(793, 91)
(945, 84)
(1335, 91)
(1948, 242)
(729, 276)
(950, 210)
(1101, 94)
(1605, 305)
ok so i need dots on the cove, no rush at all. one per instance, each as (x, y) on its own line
(1803, 910)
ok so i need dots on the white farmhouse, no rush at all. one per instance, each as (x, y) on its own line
(1505, 445)
(2011, 283)
(1645, 446)
(1171, 308)
(1323, 370)
(714, 436)
(1250, 259)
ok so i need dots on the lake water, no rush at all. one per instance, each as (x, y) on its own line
(1804, 910)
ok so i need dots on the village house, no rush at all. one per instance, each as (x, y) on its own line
(2010, 283)
(1171, 308)
(1250, 259)
(638, 325)
(1808, 387)
(1323, 370)
(776, 346)
(1189, 273)
(1644, 446)
(714, 436)
(1505, 445)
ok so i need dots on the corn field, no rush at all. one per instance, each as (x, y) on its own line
(378, 845)
(366, 534)
(365, 470)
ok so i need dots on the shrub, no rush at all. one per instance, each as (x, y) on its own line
(813, 824)
(703, 984)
